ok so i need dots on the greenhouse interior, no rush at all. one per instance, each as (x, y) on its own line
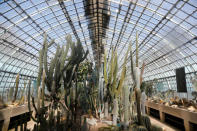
(98, 65)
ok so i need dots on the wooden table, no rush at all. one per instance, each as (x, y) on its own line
(184, 114)
(12, 111)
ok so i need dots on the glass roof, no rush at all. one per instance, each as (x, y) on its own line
(167, 32)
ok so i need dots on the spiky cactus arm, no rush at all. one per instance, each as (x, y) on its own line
(114, 83)
(57, 75)
(22, 95)
(136, 49)
(132, 66)
(53, 63)
(138, 96)
(41, 52)
(29, 100)
(43, 87)
(70, 68)
(84, 57)
(38, 102)
(126, 106)
(29, 94)
(51, 43)
(68, 76)
(111, 70)
(142, 72)
(16, 89)
(45, 50)
(123, 73)
(11, 91)
(64, 55)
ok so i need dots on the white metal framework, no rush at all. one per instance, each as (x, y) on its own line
(167, 33)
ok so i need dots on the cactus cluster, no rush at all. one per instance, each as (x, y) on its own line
(146, 124)
(61, 71)
(114, 84)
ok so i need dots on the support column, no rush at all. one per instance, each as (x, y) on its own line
(162, 116)
(6, 124)
(148, 110)
(187, 125)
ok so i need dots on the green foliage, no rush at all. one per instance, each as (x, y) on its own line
(148, 87)
(143, 86)
(85, 69)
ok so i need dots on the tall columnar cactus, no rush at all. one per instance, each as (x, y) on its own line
(126, 106)
(113, 84)
(105, 68)
(11, 91)
(16, 88)
(142, 72)
(136, 49)
(132, 66)
(21, 101)
(38, 102)
(142, 123)
(123, 73)
(43, 88)
(41, 53)
(138, 96)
